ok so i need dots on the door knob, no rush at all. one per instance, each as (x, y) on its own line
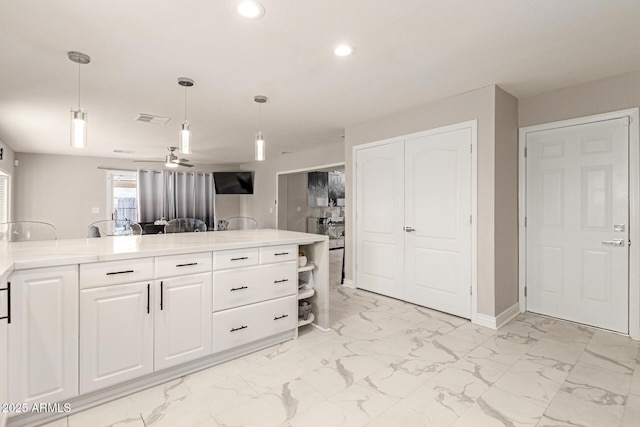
(616, 242)
(409, 229)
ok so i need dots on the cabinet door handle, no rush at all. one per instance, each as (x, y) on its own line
(148, 298)
(239, 258)
(8, 291)
(239, 289)
(280, 317)
(282, 253)
(238, 329)
(187, 264)
(111, 273)
(281, 281)
(161, 294)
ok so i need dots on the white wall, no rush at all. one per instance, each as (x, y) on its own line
(262, 205)
(62, 190)
(6, 166)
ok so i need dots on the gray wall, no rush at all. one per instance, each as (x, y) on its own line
(62, 190)
(601, 96)
(479, 104)
(506, 201)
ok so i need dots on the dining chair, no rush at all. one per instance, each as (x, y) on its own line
(241, 223)
(21, 231)
(185, 225)
(114, 227)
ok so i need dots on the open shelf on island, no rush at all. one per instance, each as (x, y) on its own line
(307, 267)
(305, 293)
(302, 322)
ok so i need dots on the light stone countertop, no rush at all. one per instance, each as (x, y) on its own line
(24, 255)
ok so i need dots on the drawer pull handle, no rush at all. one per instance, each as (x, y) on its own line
(239, 289)
(148, 298)
(239, 258)
(8, 291)
(187, 264)
(280, 317)
(161, 295)
(111, 273)
(282, 253)
(238, 329)
(281, 281)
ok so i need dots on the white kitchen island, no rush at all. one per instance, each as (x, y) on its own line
(95, 319)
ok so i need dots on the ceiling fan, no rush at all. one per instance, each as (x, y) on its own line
(171, 160)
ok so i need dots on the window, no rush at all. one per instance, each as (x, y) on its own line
(4, 197)
(122, 194)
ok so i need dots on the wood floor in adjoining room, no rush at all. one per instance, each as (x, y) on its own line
(387, 363)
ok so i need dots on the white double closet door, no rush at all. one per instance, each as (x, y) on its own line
(413, 212)
(577, 230)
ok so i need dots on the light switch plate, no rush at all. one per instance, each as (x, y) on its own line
(95, 210)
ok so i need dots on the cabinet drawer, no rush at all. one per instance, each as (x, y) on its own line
(115, 272)
(238, 326)
(181, 265)
(272, 254)
(237, 287)
(223, 260)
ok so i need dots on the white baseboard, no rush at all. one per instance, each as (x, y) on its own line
(504, 317)
(500, 320)
(348, 283)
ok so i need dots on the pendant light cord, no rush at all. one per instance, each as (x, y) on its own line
(78, 86)
(185, 104)
(260, 122)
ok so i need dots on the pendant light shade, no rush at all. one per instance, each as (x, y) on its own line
(185, 131)
(260, 155)
(79, 116)
(260, 143)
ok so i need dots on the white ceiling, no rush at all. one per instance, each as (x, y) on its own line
(409, 52)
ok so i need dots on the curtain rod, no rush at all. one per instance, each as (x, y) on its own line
(143, 170)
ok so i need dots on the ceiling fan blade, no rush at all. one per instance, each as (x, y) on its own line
(148, 161)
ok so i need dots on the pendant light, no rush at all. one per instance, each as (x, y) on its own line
(260, 144)
(185, 132)
(79, 116)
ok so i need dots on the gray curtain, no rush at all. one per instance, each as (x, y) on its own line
(171, 194)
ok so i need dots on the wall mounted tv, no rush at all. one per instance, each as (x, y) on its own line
(233, 182)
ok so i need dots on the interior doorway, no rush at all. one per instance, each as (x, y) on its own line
(311, 200)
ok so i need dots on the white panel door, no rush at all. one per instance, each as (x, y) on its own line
(116, 334)
(182, 319)
(43, 335)
(578, 223)
(437, 218)
(380, 219)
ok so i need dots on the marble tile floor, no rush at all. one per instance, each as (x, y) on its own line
(389, 363)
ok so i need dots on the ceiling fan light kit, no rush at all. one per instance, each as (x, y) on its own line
(79, 116)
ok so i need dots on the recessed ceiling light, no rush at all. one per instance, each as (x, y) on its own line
(344, 50)
(250, 9)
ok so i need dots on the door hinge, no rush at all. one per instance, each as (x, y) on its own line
(627, 121)
(525, 151)
(471, 148)
(470, 290)
(470, 219)
(525, 291)
(525, 222)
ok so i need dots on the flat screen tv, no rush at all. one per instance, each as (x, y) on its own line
(233, 182)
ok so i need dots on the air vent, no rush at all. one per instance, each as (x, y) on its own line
(123, 151)
(150, 118)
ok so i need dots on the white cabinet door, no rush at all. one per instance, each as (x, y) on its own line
(4, 323)
(182, 319)
(380, 218)
(437, 210)
(577, 223)
(43, 335)
(116, 334)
